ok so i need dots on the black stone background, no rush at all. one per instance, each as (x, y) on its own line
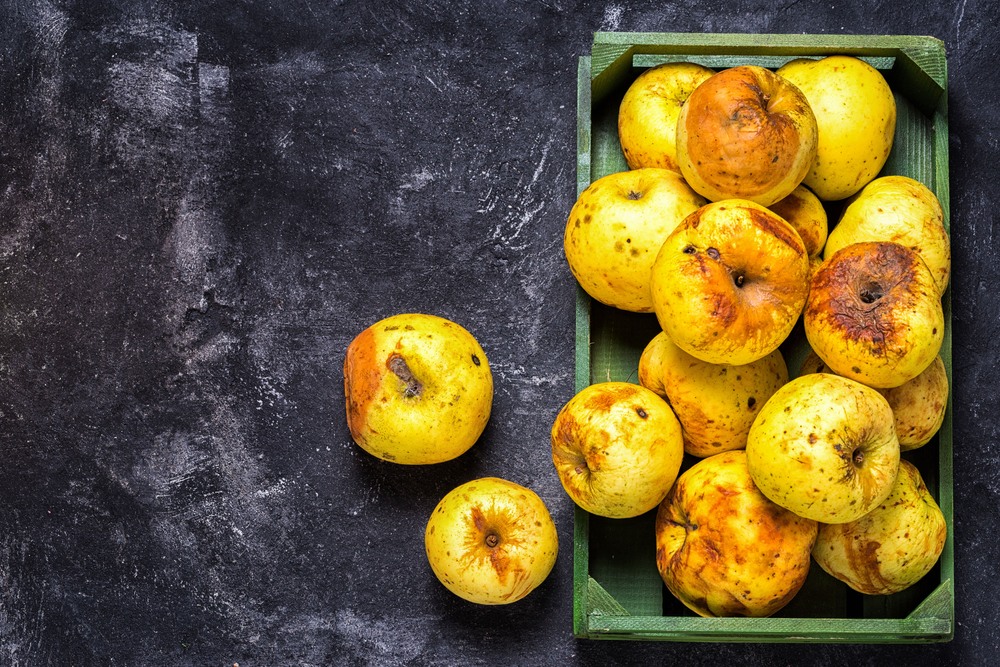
(202, 203)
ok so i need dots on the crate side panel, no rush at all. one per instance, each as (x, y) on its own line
(623, 562)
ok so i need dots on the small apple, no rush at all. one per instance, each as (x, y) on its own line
(804, 211)
(715, 403)
(918, 405)
(723, 548)
(824, 447)
(856, 119)
(746, 133)
(616, 228)
(647, 117)
(729, 284)
(874, 314)
(902, 210)
(418, 387)
(890, 548)
(491, 541)
(617, 448)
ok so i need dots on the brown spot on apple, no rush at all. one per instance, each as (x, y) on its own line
(859, 291)
(414, 388)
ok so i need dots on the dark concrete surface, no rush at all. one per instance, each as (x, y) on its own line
(202, 203)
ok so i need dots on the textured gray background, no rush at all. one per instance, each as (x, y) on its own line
(202, 203)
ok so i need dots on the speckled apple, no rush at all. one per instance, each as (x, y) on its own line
(729, 283)
(617, 448)
(715, 403)
(874, 314)
(890, 548)
(723, 548)
(418, 388)
(491, 541)
(824, 447)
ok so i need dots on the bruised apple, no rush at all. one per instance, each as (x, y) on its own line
(647, 116)
(715, 403)
(617, 448)
(824, 447)
(805, 213)
(491, 541)
(890, 548)
(874, 314)
(729, 284)
(902, 210)
(746, 133)
(723, 548)
(856, 120)
(616, 228)
(418, 387)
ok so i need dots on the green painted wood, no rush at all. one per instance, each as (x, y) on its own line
(581, 532)
(601, 603)
(623, 561)
(614, 560)
(938, 604)
(771, 630)
(581, 572)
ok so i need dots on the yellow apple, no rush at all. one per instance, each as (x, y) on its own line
(491, 541)
(746, 133)
(418, 387)
(890, 548)
(902, 210)
(715, 403)
(617, 448)
(919, 405)
(647, 117)
(856, 118)
(723, 548)
(874, 314)
(616, 228)
(729, 284)
(824, 447)
(804, 211)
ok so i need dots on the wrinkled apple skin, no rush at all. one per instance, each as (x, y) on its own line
(890, 548)
(715, 403)
(805, 213)
(874, 314)
(824, 447)
(856, 119)
(616, 228)
(901, 210)
(418, 389)
(729, 283)
(647, 116)
(617, 448)
(491, 541)
(723, 548)
(746, 133)
(918, 405)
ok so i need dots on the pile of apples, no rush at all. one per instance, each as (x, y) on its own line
(719, 228)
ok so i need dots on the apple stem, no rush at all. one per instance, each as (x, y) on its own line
(413, 386)
(492, 540)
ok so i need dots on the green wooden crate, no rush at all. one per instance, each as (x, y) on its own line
(617, 590)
